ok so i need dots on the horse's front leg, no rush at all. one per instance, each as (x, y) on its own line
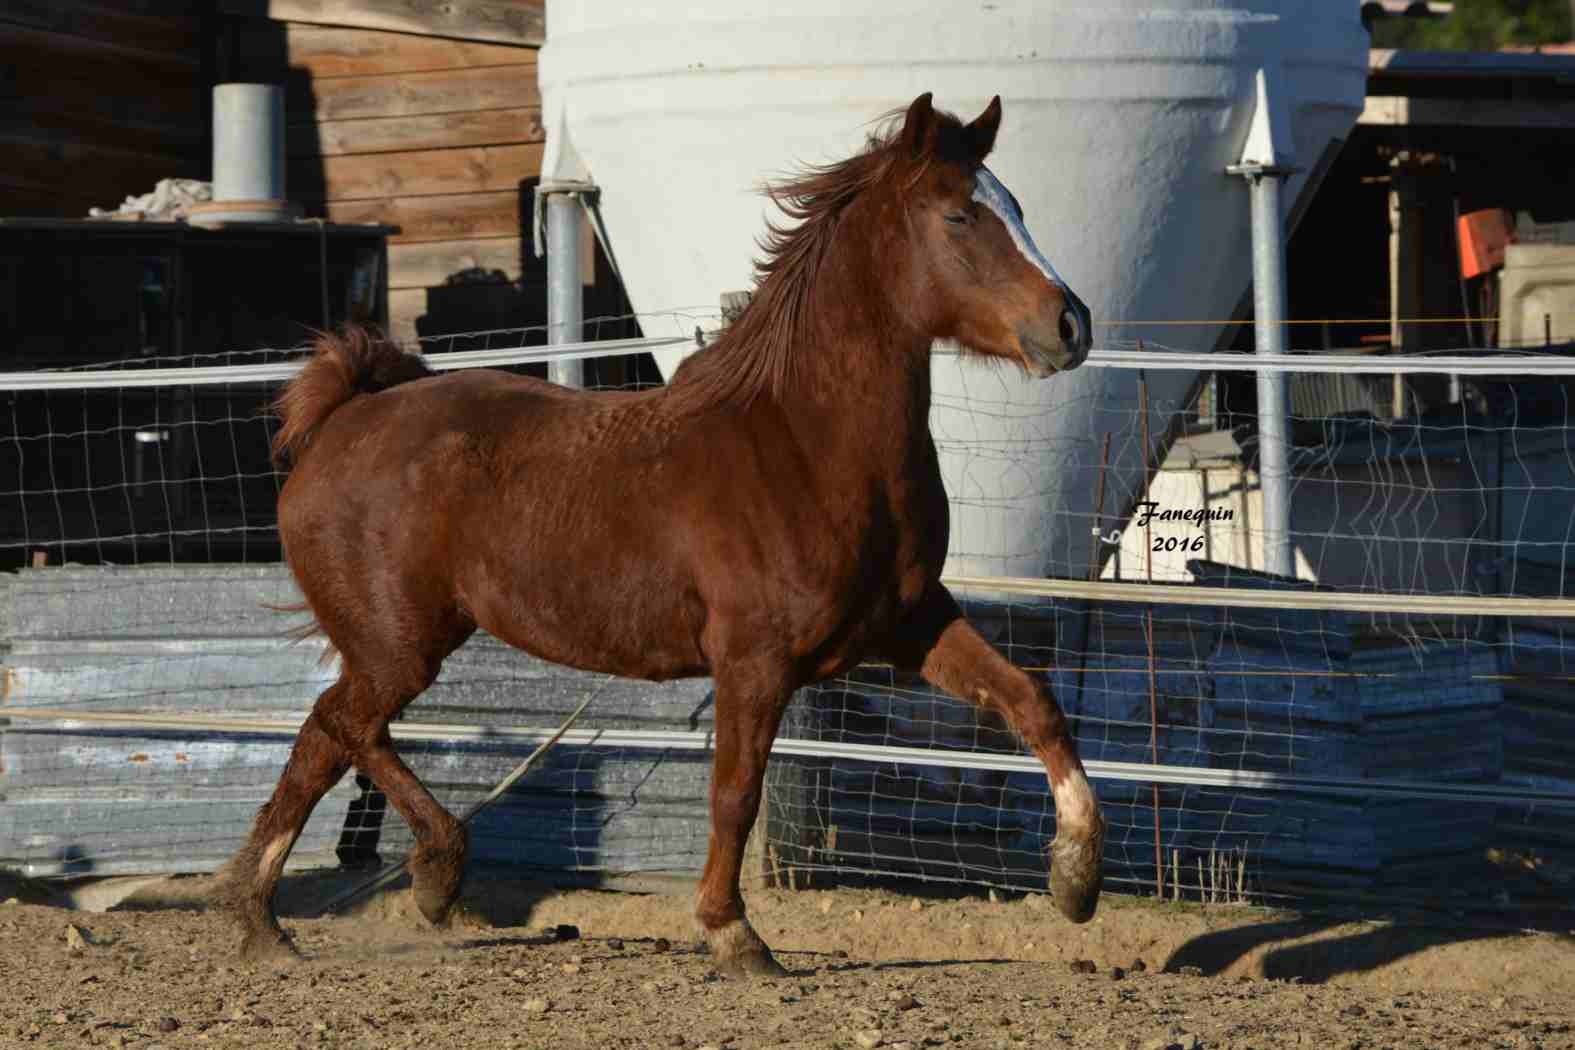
(748, 709)
(940, 644)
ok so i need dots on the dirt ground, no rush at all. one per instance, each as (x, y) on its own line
(868, 969)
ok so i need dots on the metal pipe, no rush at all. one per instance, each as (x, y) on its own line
(248, 142)
(1259, 598)
(1094, 561)
(1153, 747)
(1518, 365)
(1268, 297)
(565, 292)
(944, 758)
(1148, 620)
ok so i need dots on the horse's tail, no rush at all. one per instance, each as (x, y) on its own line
(356, 361)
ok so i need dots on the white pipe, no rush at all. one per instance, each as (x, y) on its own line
(662, 740)
(1507, 365)
(98, 379)
(248, 142)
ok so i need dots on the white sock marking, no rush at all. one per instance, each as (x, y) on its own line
(1075, 808)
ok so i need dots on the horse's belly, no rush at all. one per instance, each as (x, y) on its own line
(869, 619)
(595, 622)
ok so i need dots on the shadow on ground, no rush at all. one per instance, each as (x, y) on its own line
(303, 895)
(1302, 948)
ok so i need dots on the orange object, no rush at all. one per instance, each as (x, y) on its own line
(1483, 235)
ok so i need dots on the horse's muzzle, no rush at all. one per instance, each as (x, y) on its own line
(1058, 344)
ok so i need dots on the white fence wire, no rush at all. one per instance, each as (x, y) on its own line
(1395, 719)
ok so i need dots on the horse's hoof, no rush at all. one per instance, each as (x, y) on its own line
(436, 877)
(435, 885)
(753, 964)
(436, 906)
(737, 951)
(1077, 874)
(268, 946)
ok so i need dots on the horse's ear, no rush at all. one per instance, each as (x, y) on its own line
(981, 133)
(918, 128)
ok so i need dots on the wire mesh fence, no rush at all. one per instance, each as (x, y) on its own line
(166, 459)
(1240, 753)
(1464, 496)
(1293, 749)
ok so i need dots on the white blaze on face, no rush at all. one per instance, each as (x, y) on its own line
(988, 191)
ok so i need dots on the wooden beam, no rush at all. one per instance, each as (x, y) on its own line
(83, 171)
(174, 37)
(324, 52)
(519, 22)
(432, 263)
(21, 40)
(148, 96)
(1405, 269)
(1405, 111)
(43, 120)
(488, 127)
(414, 94)
(442, 217)
(18, 198)
(404, 306)
(414, 173)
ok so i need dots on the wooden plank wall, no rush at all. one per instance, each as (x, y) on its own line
(439, 136)
(500, 21)
(421, 115)
(99, 99)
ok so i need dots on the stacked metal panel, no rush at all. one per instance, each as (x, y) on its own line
(1291, 692)
(1269, 690)
(82, 797)
(1539, 723)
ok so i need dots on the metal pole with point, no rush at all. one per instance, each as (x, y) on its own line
(1265, 163)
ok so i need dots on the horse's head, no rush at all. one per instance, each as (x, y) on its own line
(980, 280)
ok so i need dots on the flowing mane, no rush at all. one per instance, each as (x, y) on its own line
(755, 354)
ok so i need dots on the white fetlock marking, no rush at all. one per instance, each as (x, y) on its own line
(733, 940)
(1075, 807)
(272, 862)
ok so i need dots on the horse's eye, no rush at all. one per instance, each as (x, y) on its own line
(959, 218)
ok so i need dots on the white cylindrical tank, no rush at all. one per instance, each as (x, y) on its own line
(1120, 117)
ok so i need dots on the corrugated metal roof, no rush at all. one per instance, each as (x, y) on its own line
(1557, 61)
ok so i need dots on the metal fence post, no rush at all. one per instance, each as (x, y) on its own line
(565, 290)
(1264, 163)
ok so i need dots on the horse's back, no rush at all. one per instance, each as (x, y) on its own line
(530, 507)
(621, 533)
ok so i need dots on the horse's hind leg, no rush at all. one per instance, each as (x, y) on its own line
(246, 885)
(437, 863)
(748, 711)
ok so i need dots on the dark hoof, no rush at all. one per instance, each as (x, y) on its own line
(436, 905)
(435, 880)
(751, 964)
(737, 951)
(268, 946)
(1077, 874)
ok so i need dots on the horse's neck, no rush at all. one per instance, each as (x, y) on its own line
(859, 393)
(864, 395)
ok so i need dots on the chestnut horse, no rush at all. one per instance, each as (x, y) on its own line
(770, 518)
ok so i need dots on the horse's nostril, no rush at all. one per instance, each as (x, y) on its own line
(1071, 330)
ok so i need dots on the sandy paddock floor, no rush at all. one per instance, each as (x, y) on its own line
(869, 968)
